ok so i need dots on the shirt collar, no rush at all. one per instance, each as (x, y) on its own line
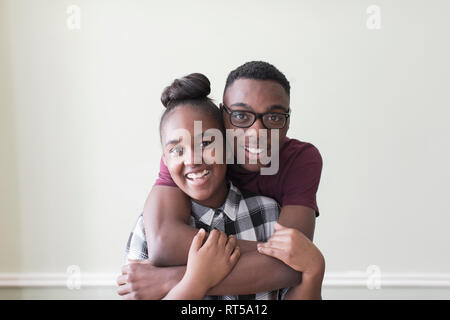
(230, 207)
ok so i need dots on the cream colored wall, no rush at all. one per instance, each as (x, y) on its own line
(80, 108)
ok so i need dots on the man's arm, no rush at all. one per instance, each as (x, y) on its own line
(166, 220)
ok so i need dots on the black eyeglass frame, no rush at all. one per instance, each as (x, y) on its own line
(257, 116)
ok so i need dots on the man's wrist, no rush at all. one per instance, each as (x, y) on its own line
(174, 276)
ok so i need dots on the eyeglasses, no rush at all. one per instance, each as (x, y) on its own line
(245, 119)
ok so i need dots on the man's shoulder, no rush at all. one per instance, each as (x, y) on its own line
(296, 147)
(296, 152)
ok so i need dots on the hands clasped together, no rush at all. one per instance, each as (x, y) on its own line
(210, 261)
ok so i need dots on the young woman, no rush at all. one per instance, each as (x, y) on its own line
(216, 202)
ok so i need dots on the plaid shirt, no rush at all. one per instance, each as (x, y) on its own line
(245, 216)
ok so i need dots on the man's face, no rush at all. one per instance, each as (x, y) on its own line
(259, 96)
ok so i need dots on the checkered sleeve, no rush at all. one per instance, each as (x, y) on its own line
(137, 244)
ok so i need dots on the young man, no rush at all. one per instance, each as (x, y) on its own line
(255, 91)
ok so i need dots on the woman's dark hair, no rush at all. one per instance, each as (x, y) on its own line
(191, 91)
(258, 70)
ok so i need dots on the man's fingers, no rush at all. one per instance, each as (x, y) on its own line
(272, 251)
(277, 244)
(197, 242)
(122, 279)
(124, 289)
(125, 269)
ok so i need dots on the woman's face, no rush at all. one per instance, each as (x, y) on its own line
(201, 182)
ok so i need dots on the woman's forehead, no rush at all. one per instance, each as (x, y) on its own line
(187, 125)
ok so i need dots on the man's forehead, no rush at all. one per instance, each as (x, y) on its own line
(265, 90)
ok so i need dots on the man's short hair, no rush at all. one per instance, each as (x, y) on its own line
(258, 70)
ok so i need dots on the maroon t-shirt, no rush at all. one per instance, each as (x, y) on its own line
(295, 183)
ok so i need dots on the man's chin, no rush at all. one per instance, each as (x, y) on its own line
(251, 167)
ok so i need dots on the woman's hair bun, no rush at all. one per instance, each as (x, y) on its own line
(191, 87)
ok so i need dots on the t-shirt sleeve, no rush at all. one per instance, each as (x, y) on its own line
(164, 177)
(301, 179)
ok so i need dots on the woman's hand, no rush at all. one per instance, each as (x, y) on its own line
(207, 265)
(295, 249)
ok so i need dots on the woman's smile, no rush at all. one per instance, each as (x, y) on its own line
(198, 177)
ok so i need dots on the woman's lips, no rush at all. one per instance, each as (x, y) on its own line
(198, 178)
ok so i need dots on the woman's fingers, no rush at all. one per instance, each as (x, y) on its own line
(235, 256)
(213, 237)
(222, 241)
(279, 227)
(231, 243)
(198, 240)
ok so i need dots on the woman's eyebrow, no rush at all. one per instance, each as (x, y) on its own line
(173, 141)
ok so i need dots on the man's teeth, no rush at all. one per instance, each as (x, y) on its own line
(198, 174)
(254, 150)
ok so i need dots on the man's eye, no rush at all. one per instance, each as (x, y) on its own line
(275, 118)
(240, 116)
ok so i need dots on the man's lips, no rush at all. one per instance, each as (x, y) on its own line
(254, 149)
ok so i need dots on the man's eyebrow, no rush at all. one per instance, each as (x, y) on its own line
(271, 108)
(241, 104)
(277, 106)
(173, 141)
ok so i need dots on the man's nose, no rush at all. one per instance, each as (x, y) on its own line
(258, 124)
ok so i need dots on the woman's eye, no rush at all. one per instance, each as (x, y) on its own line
(176, 151)
(205, 144)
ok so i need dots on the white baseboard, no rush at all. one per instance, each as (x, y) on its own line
(331, 280)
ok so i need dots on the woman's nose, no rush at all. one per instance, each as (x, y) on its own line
(193, 157)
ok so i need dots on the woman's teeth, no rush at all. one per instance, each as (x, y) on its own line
(197, 175)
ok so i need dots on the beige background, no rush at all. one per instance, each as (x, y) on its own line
(80, 147)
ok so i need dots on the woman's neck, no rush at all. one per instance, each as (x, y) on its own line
(217, 199)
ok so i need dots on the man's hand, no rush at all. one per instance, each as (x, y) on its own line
(141, 280)
(295, 249)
